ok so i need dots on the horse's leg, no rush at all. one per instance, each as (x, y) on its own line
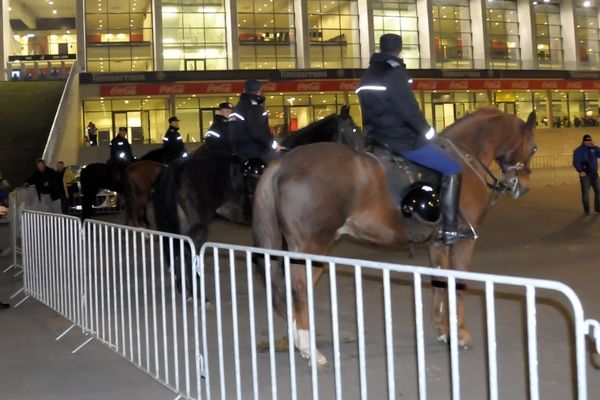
(461, 254)
(438, 258)
(301, 321)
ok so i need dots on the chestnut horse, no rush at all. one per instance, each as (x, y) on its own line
(319, 192)
(138, 180)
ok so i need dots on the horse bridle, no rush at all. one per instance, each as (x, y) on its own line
(497, 185)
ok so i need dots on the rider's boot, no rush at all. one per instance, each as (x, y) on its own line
(451, 233)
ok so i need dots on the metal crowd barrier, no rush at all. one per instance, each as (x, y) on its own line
(379, 346)
(20, 198)
(112, 282)
(121, 286)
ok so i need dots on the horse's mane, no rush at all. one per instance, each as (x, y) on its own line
(474, 121)
(310, 133)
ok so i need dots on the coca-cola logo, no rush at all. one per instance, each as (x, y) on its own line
(520, 85)
(349, 86)
(460, 85)
(171, 89)
(219, 88)
(426, 85)
(492, 85)
(549, 85)
(309, 86)
(269, 87)
(129, 90)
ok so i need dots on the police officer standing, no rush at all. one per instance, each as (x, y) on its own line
(391, 116)
(172, 142)
(251, 134)
(218, 135)
(585, 162)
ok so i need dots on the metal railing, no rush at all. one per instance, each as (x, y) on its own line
(112, 282)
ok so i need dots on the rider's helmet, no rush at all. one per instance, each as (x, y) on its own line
(253, 167)
(421, 199)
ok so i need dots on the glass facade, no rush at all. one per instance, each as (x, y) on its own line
(333, 34)
(549, 35)
(452, 33)
(400, 17)
(266, 34)
(587, 36)
(503, 34)
(144, 117)
(194, 35)
(118, 35)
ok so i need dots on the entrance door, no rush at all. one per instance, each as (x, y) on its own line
(444, 114)
(136, 122)
(297, 117)
(507, 107)
(195, 65)
(207, 115)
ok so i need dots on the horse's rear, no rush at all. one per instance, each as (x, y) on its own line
(138, 180)
(308, 208)
(93, 177)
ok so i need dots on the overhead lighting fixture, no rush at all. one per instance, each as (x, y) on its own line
(587, 3)
(53, 11)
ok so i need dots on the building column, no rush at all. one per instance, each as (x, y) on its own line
(301, 34)
(233, 40)
(527, 34)
(479, 33)
(80, 34)
(426, 34)
(6, 38)
(367, 36)
(549, 110)
(157, 36)
(569, 45)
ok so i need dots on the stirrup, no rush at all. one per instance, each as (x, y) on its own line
(452, 236)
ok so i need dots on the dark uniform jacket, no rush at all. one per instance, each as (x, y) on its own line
(250, 130)
(47, 182)
(218, 135)
(390, 111)
(585, 159)
(173, 145)
(120, 150)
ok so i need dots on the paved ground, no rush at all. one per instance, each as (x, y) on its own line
(543, 235)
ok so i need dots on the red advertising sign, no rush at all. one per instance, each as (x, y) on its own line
(335, 85)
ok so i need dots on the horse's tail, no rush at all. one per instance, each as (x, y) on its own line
(165, 209)
(267, 234)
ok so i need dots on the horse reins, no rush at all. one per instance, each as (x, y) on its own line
(496, 185)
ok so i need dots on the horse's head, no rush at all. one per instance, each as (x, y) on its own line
(348, 133)
(514, 162)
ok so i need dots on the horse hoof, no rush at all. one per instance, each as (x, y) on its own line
(321, 359)
(209, 306)
(443, 338)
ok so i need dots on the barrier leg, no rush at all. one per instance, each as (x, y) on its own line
(65, 332)
(81, 346)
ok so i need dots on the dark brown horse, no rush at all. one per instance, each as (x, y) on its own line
(319, 192)
(138, 180)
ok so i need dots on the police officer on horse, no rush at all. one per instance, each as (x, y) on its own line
(251, 134)
(120, 155)
(172, 142)
(218, 135)
(391, 116)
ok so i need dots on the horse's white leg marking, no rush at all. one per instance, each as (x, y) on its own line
(302, 341)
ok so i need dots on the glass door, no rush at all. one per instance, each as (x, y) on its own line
(443, 115)
(195, 65)
(132, 121)
(207, 115)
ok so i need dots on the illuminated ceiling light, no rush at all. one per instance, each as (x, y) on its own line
(53, 11)
(587, 3)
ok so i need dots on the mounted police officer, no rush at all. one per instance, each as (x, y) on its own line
(218, 135)
(120, 149)
(251, 134)
(172, 142)
(391, 116)
(120, 156)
